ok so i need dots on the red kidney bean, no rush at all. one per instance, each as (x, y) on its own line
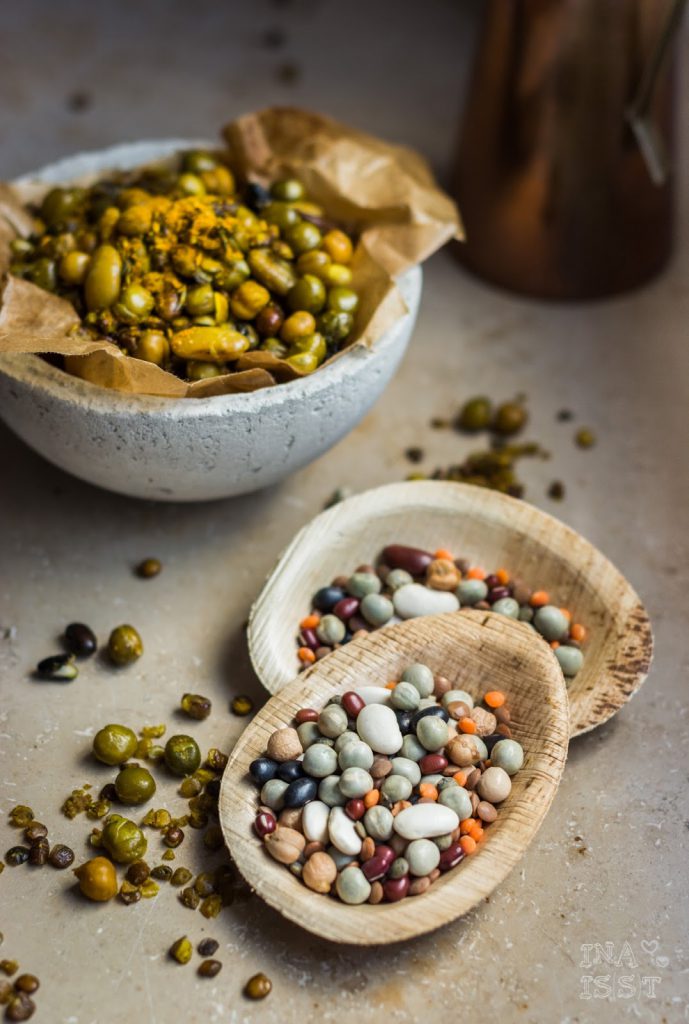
(415, 561)
(306, 715)
(451, 857)
(497, 593)
(309, 639)
(345, 608)
(492, 581)
(396, 889)
(356, 623)
(432, 763)
(355, 809)
(379, 863)
(352, 703)
(264, 824)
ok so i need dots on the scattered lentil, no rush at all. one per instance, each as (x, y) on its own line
(196, 706)
(209, 968)
(149, 568)
(258, 987)
(242, 705)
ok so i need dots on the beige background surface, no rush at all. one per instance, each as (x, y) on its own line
(610, 862)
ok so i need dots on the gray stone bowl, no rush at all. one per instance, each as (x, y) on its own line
(191, 449)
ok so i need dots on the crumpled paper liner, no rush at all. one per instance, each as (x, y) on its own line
(383, 194)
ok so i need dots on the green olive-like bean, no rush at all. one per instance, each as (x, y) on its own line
(44, 274)
(135, 303)
(60, 204)
(229, 278)
(314, 344)
(196, 161)
(114, 744)
(308, 293)
(104, 277)
(335, 326)
(275, 346)
(342, 300)
(198, 370)
(275, 273)
(134, 785)
(303, 236)
(282, 215)
(153, 347)
(289, 190)
(210, 344)
(74, 267)
(200, 300)
(191, 184)
(305, 362)
(123, 839)
(182, 755)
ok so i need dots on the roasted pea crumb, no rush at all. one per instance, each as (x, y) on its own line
(190, 898)
(211, 906)
(168, 855)
(242, 705)
(76, 803)
(181, 950)
(258, 987)
(149, 889)
(9, 967)
(181, 876)
(21, 816)
(161, 872)
(585, 438)
(196, 705)
(209, 968)
(129, 893)
(149, 568)
(207, 947)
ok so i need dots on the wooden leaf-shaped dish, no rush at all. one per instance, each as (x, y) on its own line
(489, 529)
(477, 651)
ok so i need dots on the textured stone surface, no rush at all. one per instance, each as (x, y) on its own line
(609, 864)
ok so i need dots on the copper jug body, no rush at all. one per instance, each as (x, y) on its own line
(556, 195)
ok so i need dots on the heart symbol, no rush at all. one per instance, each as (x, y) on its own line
(662, 961)
(650, 947)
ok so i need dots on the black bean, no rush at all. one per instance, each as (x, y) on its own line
(207, 947)
(59, 668)
(288, 771)
(80, 640)
(262, 770)
(300, 792)
(491, 740)
(404, 720)
(326, 598)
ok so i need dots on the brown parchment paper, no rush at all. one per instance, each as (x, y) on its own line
(384, 194)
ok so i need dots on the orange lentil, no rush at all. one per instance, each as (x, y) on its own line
(503, 576)
(539, 598)
(444, 553)
(494, 699)
(476, 833)
(567, 614)
(311, 621)
(466, 826)
(460, 778)
(428, 791)
(390, 686)
(487, 762)
(476, 573)
(401, 805)
(306, 655)
(577, 632)
(467, 725)
(554, 644)
(467, 844)
(371, 798)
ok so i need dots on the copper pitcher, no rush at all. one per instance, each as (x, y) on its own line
(564, 175)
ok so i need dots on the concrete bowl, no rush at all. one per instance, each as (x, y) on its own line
(191, 449)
